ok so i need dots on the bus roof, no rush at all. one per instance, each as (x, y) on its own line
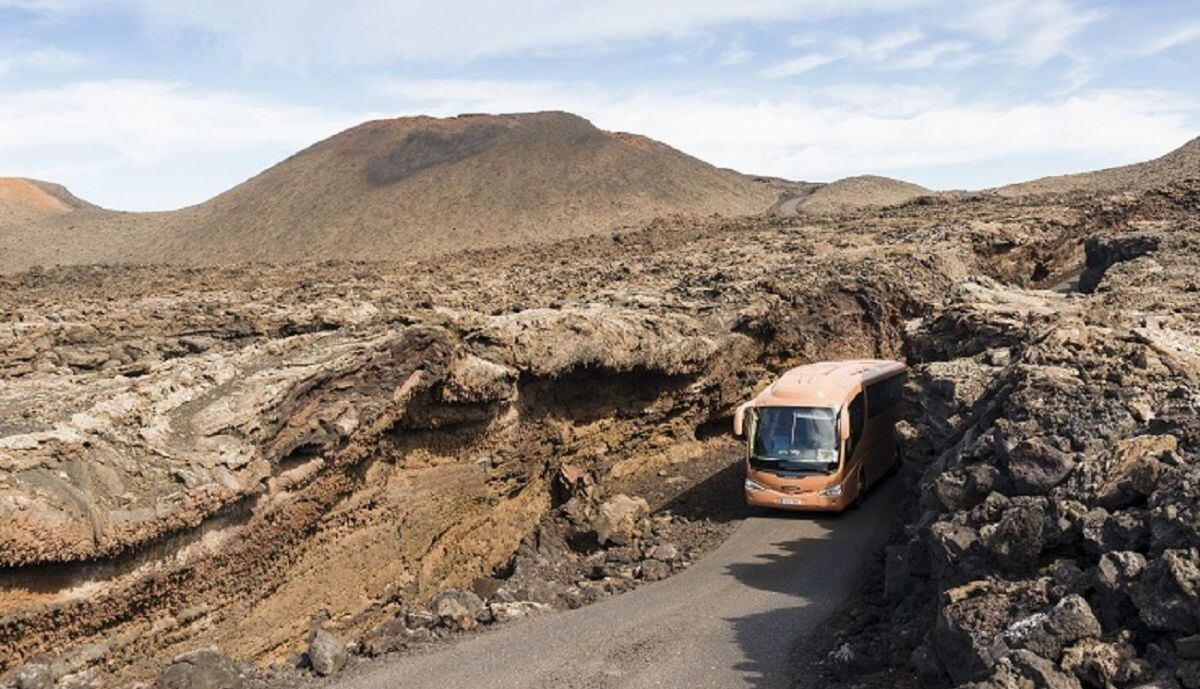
(825, 384)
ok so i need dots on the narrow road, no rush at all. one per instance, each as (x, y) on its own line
(728, 621)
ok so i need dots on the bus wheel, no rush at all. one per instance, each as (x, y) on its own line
(860, 492)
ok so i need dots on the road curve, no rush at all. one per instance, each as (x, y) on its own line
(728, 621)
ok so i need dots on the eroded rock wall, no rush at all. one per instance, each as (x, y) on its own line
(1054, 540)
(221, 456)
(218, 457)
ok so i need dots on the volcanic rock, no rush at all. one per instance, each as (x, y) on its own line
(35, 675)
(202, 669)
(326, 653)
(617, 518)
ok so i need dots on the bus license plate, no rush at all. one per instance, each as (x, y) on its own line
(790, 501)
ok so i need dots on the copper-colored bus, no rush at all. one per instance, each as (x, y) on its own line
(819, 436)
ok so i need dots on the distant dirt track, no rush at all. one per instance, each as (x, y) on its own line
(729, 621)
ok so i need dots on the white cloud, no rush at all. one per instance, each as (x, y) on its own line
(944, 53)
(826, 134)
(42, 59)
(735, 54)
(1026, 32)
(368, 31)
(879, 50)
(883, 47)
(148, 144)
(117, 140)
(1181, 36)
(799, 65)
(1022, 32)
(303, 32)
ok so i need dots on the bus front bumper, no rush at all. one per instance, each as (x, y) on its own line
(801, 502)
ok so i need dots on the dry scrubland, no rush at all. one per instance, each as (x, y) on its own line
(400, 452)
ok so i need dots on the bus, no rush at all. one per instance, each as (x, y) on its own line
(819, 436)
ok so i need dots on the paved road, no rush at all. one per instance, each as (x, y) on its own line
(728, 621)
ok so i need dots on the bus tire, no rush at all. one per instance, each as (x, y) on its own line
(860, 492)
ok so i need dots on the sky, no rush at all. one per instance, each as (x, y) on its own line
(158, 104)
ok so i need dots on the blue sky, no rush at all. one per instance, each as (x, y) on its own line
(156, 104)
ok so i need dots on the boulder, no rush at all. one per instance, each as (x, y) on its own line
(1117, 571)
(1015, 541)
(574, 481)
(1188, 673)
(1134, 469)
(419, 619)
(665, 552)
(1113, 580)
(486, 587)
(84, 679)
(654, 570)
(963, 638)
(392, 635)
(1188, 646)
(616, 520)
(326, 653)
(1094, 663)
(1103, 531)
(203, 669)
(1034, 467)
(1167, 594)
(468, 599)
(951, 542)
(1048, 633)
(452, 614)
(1041, 672)
(507, 612)
(33, 675)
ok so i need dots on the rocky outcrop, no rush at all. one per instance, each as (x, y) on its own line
(1054, 540)
(206, 454)
(196, 458)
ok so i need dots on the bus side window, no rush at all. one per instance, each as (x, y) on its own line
(856, 422)
(885, 394)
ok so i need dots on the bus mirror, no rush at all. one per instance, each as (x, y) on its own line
(739, 419)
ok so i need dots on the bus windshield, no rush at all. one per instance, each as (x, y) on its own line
(796, 439)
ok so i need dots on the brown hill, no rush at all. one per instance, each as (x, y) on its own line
(43, 224)
(409, 188)
(415, 187)
(851, 193)
(1181, 164)
(25, 200)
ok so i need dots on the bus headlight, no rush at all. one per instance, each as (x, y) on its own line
(754, 486)
(834, 491)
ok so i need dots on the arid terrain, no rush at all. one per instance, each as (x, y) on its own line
(403, 189)
(286, 464)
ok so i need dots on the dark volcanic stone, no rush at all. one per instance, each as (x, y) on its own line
(203, 669)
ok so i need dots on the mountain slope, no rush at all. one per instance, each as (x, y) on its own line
(43, 224)
(402, 189)
(416, 187)
(26, 200)
(865, 191)
(1180, 164)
